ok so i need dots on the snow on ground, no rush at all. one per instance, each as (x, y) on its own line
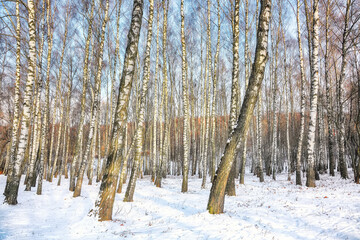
(271, 210)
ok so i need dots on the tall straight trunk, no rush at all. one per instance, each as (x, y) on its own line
(287, 84)
(217, 192)
(193, 125)
(156, 96)
(203, 110)
(38, 112)
(207, 119)
(16, 117)
(230, 186)
(104, 203)
(78, 146)
(164, 103)
(259, 140)
(302, 108)
(274, 147)
(328, 94)
(341, 97)
(322, 162)
(208, 77)
(310, 177)
(31, 175)
(46, 113)
(246, 60)
(34, 127)
(95, 107)
(184, 187)
(13, 179)
(213, 114)
(46, 110)
(52, 134)
(139, 141)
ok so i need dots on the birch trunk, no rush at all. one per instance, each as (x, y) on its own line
(13, 179)
(207, 119)
(207, 98)
(154, 153)
(302, 108)
(246, 60)
(44, 128)
(104, 203)
(287, 84)
(164, 103)
(341, 97)
(139, 142)
(274, 147)
(328, 94)
(93, 147)
(259, 140)
(31, 175)
(184, 187)
(126, 153)
(217, 192)
(310, 177)
(230, 186)
(16, 117)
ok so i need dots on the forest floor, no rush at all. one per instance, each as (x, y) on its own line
(271, 210)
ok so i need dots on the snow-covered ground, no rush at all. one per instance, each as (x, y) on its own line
(270, 210)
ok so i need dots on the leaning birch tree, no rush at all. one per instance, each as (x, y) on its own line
(217, 192)
(104, 203)
(139, 135)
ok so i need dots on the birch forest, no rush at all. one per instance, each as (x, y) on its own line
(175, 110)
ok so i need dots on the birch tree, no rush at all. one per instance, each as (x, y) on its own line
(13, 179)
(302, 108)
(156, 96)
(215, 78)
(16, 117)
(184, 186)
(328, 83)
(341, 97)
(139, 137)
(310, 177)
(163, 105)
(230, 187)
(217, 192)
(104, 203)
